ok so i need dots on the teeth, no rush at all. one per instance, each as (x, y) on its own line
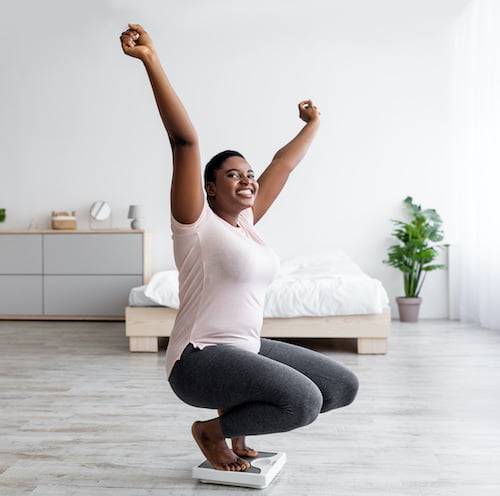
(244, 192)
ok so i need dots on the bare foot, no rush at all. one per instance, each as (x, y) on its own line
(209, 438)
(241, 449)
(239, 444)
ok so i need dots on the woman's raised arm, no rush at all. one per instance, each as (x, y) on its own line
(273, 179)
(187, 197)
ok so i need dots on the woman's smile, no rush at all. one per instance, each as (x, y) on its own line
(246, 192)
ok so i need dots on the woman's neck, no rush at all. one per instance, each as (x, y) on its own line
(230, 217)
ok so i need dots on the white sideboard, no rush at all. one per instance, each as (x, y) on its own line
(70, 274)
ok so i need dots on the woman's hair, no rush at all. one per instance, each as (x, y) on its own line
(215, 163)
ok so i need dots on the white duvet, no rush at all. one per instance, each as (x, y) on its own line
(306, 286)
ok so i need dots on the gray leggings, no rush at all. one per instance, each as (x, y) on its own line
(279, 389)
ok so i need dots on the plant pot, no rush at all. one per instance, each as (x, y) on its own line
(408, 308)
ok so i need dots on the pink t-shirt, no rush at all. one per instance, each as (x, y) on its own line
(224, 273)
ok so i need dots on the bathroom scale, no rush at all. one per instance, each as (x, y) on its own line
(264, 468)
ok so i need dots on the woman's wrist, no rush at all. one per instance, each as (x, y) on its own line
(313, 121)
(150, 57)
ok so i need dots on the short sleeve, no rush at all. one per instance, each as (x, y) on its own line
(180, 229)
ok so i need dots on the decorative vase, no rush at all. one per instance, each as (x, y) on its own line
(408, 308)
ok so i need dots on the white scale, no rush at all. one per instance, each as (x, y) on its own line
(264, 468)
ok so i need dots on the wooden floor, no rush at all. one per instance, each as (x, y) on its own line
(81, 416)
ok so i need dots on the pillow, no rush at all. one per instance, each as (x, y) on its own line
(163, 288)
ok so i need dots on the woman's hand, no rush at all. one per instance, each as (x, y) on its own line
(308, 111)
(136, 42)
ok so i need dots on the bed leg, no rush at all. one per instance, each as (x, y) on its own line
(147, 344)
(372, 346)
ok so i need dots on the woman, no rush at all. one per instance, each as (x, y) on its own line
(215, 357)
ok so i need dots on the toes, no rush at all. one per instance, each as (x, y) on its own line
(238, 465)
(251, 453)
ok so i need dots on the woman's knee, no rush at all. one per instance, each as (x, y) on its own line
(350, 389)
(343, 392)
(306, 406)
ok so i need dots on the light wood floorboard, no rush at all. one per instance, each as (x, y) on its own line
(81, 416)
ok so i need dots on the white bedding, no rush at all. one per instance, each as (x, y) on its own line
(306, 286)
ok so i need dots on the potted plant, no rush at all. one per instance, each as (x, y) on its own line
(2, 214)
(414, 254)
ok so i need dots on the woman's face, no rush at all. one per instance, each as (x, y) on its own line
(235, 186)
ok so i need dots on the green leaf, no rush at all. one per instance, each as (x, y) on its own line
(417, 245)
(428, 268)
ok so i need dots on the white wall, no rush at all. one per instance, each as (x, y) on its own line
(78, 122)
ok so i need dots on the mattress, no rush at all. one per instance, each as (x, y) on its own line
(318, 285)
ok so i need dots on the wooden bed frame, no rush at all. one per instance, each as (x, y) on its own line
(144, 325)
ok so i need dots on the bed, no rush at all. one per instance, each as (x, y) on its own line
(326, 295)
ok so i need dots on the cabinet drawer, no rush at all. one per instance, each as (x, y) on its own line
(20, 254)
(88, 295)
(93, 253)
(21, 295)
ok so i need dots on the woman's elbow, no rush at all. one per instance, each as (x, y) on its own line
(183, 141)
